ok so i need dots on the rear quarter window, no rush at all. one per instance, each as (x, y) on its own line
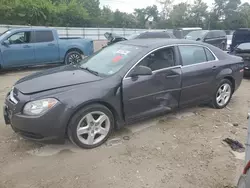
(43, 36)
(210, 56)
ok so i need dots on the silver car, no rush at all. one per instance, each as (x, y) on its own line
(244, 181)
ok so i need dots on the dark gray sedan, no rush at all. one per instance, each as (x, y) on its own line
(122, 83)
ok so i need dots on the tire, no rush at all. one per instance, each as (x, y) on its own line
(224, 90)
(72, 57)
(90, 133)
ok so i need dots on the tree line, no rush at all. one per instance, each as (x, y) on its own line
(225, 14)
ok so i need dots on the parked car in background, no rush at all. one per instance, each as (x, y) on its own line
(121, 83)
(244, 181)
(240, 36)
(243, 50)
(229, 42)
(113, 38)
(37, 46)
(217, 38)
(180, 33)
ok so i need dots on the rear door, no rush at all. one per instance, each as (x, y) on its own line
(199, 68)
(19, 51)
(46, 47)
(159, 92)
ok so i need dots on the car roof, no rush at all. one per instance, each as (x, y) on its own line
(158, 42)
(245, 29)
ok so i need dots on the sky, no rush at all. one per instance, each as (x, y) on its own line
(130, 5)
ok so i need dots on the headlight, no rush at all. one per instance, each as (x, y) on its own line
(39, 107)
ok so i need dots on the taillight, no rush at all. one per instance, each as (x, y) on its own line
(241, 70)
(246, 168)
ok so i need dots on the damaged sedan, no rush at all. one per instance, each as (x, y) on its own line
(124, 82)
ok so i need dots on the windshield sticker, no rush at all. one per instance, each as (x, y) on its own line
(116, 58)
(123, 52)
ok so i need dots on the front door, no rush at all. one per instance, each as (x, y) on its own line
(46, 47)
(198, 74)
(159, 92)
(18, 50)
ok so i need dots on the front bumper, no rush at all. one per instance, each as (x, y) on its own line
(49, 126)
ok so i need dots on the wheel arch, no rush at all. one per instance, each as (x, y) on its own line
(74, 49)
(232, 80)
(100, 102)
(226, 74)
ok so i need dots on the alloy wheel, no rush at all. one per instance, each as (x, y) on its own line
(74, 58)
(223, 94)
(93, 128)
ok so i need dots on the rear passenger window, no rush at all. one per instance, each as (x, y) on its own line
(44, 36)
(192, 55)
(210, 56)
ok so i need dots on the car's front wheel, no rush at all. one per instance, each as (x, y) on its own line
(91, 126)
(223, 94)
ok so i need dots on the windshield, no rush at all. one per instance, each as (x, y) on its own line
(3, 34)
(195, 35)
(110, 60)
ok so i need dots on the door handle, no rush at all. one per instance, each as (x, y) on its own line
(51, 44)
(214, 67)
(172, 76)
(26, 46)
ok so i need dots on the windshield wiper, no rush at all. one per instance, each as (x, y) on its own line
(91, 71)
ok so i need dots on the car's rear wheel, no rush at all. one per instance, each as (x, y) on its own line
(91, 126)
(223, 94)
(73, 57)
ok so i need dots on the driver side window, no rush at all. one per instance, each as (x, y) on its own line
(20, 38)
(159, 59)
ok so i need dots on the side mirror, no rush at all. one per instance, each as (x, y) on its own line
(141, 70)
(198, 39)
(6, 43)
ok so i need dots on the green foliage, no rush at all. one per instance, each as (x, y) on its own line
(226, 14)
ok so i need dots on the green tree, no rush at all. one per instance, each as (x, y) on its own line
(244, 13)
(142, 15)
(72, 14)
(198, 13)
(180, 15)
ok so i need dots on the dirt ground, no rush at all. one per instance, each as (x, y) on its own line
(177, 150)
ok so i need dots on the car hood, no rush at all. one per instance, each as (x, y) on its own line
(54, 78)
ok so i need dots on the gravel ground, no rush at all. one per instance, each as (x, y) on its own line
(178, 150)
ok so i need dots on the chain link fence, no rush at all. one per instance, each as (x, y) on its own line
(93, 33)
